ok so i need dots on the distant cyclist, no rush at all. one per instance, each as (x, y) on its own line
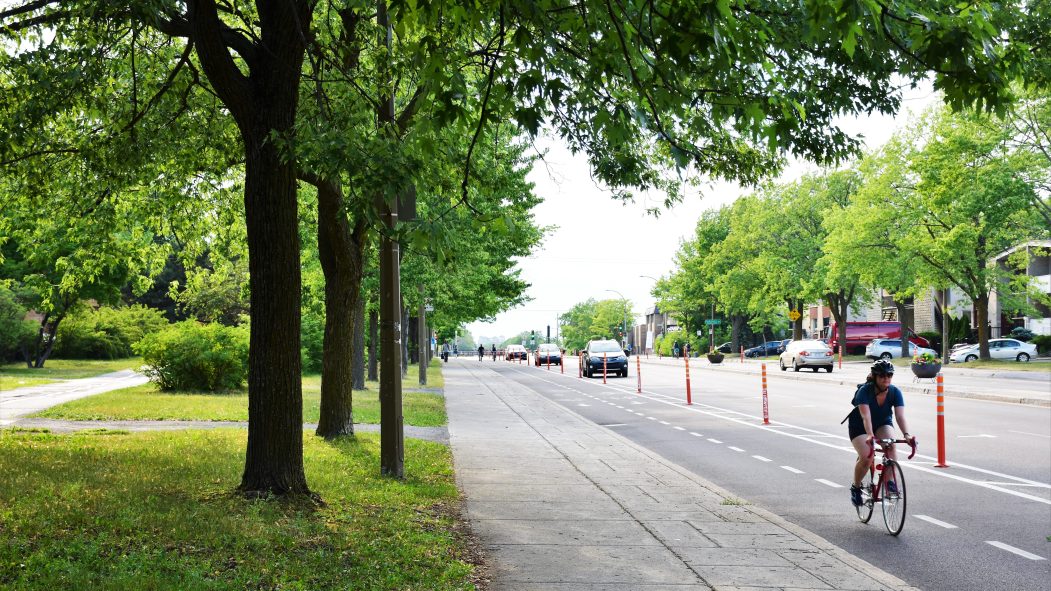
(481, 352)
(494, 351)
(876, 404)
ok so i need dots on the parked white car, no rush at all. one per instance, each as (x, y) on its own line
(998, 349)
(806, 353)
(891, 349)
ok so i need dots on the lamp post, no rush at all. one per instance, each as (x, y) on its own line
(659, 333)
(624, 334)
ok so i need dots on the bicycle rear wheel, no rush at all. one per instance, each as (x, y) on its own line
(893, 503)
(865, 509)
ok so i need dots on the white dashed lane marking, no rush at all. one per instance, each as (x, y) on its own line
(937, 522)
(736, 448)
(762, 459)
(678, 428)
(714, 440)
(1014, 550)
(793, 470)
(828, 483)
(696, 434)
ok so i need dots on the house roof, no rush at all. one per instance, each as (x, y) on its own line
(1016, 248)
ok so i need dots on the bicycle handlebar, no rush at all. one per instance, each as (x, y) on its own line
(885, 443)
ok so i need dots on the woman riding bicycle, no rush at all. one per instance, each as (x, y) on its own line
(876, 404)
(481, 352)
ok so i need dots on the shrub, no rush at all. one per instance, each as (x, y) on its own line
(1022, 333)
(1043, 343)
(935, 339)
(312, 342)
(192, 356)
(15, 330)
(105, 333)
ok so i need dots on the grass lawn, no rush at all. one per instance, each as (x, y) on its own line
(17, 375)
(113, 510)
(146, 403)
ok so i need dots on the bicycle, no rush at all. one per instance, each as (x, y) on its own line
(892, 502)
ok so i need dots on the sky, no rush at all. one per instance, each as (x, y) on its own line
(600, 248)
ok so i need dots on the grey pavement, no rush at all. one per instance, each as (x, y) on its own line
(1001, 385)
(564, 504)
(25, 401)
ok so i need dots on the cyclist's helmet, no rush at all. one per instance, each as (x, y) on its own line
(882, 367)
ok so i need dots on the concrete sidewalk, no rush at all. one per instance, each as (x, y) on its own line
(563, 504)
(1020, 387)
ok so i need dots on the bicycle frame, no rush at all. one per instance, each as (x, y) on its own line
(893, 505)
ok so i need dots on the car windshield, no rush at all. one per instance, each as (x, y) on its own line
(605, 347)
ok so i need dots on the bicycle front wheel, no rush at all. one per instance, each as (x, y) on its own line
(865, 508)
(893, 497)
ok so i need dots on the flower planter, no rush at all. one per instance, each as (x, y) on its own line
(926, 370)
(715, 357)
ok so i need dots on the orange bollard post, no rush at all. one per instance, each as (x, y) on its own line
(941, 423)
(580, 365)
(638, 372)
(549, 362)
(742, 353)
(689, 399)
(603, 368)
(766, 406)
(562, 362)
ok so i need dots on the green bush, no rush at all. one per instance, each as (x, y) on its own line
(105, 333)
(15, 330)
(1021, 333)
(192, 356)
(1043, 343)
(935, 339)
(312, 341)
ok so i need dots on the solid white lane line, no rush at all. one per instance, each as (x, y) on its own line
(736, 448)
(762, 459)
(828, 483)
(937, 522)
(1014, 550)
(714, 440)
(793, 470)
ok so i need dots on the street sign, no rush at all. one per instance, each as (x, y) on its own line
(700, 332)
(714, 321)
(794, 315)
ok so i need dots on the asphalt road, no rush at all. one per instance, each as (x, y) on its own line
(983, 522)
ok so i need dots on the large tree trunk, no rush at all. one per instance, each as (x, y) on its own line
(341, 260)
(981, 312)
(839, 304)
(904, 330)
(737, 322)
(263, 104)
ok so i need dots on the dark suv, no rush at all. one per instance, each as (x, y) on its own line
(765, 350)
(616, 362)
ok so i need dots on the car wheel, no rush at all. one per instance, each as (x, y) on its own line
(782, 362)
(970, 358)
(816, 368)
(885, 355)
(829, 369)
(624, 373)
(1023, 357)
(795, 366)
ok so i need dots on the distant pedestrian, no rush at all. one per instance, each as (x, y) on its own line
(675, 349)
(686, 348)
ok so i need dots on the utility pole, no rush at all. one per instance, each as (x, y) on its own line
(392, 436)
